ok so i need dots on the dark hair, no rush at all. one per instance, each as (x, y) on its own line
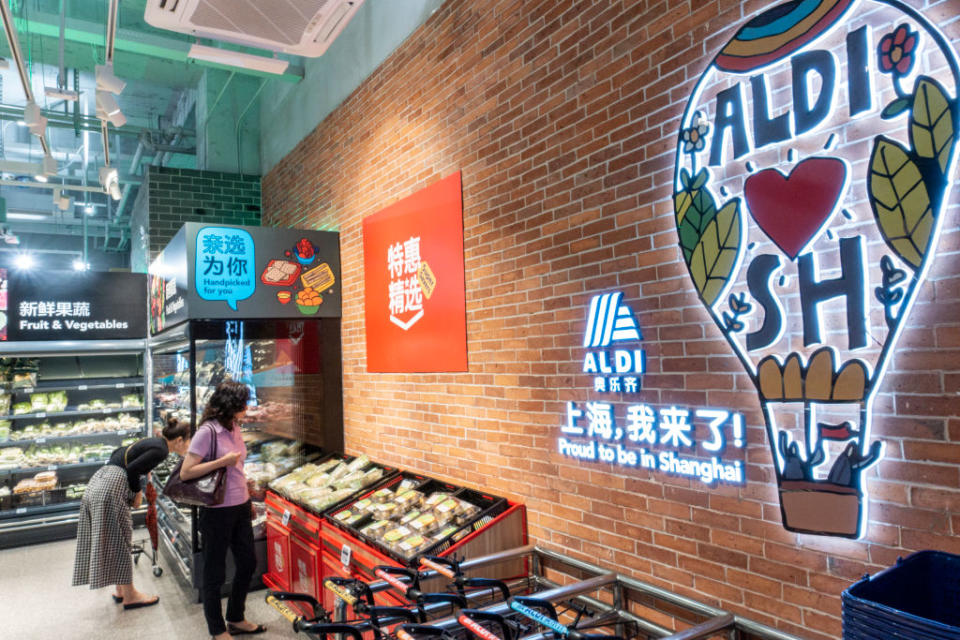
(227, 400)
(174, 428)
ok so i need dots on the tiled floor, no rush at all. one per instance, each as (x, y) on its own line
(37, 602)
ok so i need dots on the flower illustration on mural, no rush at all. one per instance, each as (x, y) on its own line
(896, 51)
(695, 136)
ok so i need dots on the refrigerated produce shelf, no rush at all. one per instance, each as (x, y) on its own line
(71, 414)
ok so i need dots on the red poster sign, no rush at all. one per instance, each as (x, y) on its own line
(414, 300)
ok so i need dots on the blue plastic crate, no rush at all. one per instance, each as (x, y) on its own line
(918, 598)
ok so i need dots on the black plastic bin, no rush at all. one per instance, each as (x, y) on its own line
(917, 598)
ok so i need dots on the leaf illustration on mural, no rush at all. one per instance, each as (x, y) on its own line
(907, 185)
(710, 239)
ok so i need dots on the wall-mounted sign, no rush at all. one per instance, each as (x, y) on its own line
(414, 301)
(76, 305)
(610, 324)
(224, 272)
(813, 161)
(663, 440)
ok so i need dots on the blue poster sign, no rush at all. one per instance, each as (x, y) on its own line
(225, 265)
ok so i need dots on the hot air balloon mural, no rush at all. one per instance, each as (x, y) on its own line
(814, 160)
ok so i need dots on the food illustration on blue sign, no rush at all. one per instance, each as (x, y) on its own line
(814, 160)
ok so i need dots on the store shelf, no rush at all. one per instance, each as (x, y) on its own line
(76, 437)
(29, 471)
(168, 540)
(173, 515)
(38, 510)
(75, 386)
(71, 414)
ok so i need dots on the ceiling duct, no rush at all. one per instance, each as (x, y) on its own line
(298, 27)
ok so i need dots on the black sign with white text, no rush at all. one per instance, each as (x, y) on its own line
(76, 305)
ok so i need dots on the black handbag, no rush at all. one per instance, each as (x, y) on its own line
(205, 491)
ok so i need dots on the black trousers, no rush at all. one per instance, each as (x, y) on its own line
(225, 528)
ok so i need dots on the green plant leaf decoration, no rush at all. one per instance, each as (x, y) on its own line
(900, 201)
(715, 254)
(932, 129)
(896, 107)
(695, 208)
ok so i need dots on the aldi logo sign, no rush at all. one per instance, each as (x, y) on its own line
(610, 323)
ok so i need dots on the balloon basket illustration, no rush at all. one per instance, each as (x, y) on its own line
(806, 238)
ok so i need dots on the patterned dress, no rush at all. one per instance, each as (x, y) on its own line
(105, 531)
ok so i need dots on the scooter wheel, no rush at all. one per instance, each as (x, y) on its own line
(158, 571)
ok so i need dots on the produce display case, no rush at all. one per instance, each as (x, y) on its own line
(64, 408)
(295, 518)
(294, 415)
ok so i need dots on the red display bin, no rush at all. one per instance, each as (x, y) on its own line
(304, 561)
(501, 525)
(278, 556)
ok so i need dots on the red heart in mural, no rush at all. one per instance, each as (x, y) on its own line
(793, 209)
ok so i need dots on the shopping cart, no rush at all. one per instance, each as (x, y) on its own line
(151, 521)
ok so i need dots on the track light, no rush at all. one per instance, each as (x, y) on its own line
(61, 94)
(108, 109)
(34, 119)
(23, 261)
(106, 81)
(62, 201)
(110, 181)
(49, 166)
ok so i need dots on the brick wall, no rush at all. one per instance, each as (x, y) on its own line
(562, 117)
(170, 197)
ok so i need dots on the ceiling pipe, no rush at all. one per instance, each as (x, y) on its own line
(62, 76)
(243, 114)
(87, 122)
(108, 57)
(185, 105)
(49, 185)
(111, 29)
(14, 42)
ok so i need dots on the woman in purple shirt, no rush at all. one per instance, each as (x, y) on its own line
(226, 525)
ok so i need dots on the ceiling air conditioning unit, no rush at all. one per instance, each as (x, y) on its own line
(298, 27)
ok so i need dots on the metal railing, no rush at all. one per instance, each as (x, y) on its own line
(621, 598)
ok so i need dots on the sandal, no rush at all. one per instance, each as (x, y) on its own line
(116, 598)
(237, 631)
(138, 605)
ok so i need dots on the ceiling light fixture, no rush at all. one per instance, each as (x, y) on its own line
(80, 265)
(89, 209)
(16, 215)
(49, 166)
(110, 181)
(106, 81)
(62, 201)
(34, 120)
(276, 66)
(23, 261)
(108, 109)
(61, 94)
